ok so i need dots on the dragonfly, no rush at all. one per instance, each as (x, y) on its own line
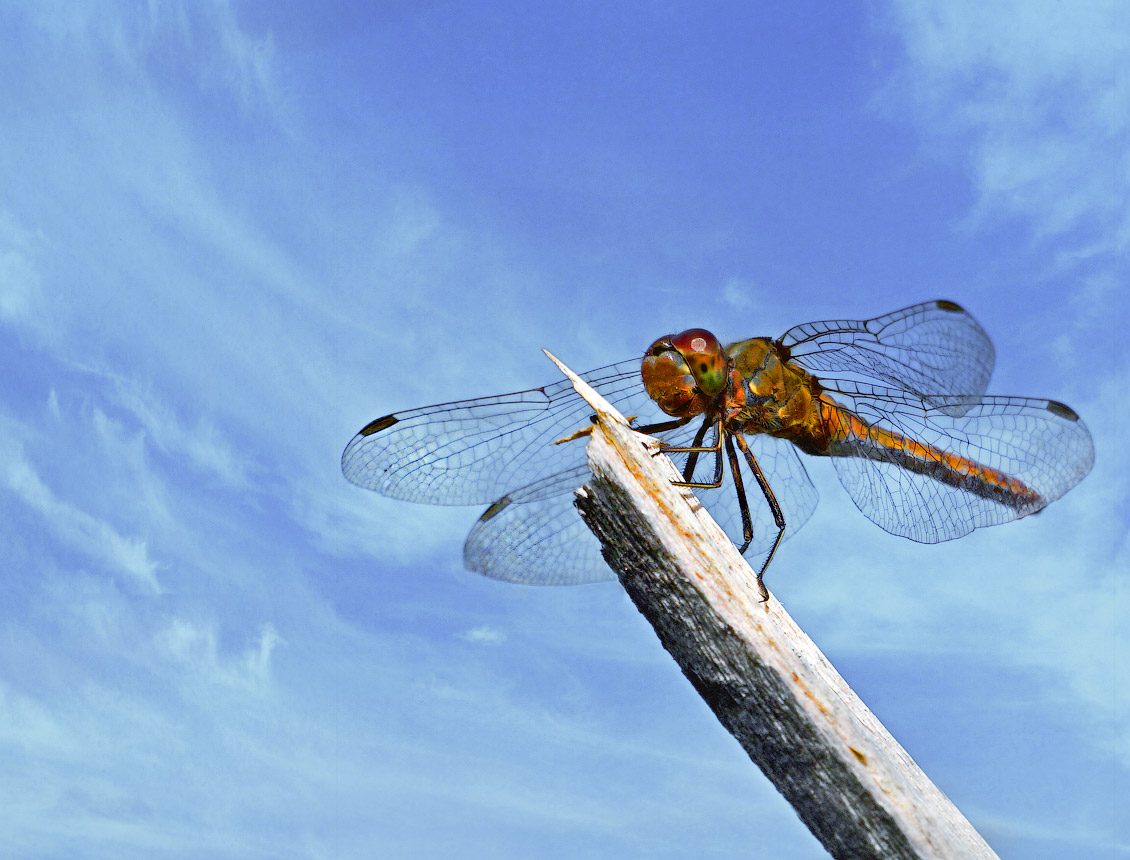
(896, 403)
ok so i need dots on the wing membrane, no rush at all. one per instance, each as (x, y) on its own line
(935, 350)
(1039, 444)
(474, 451)
(535, 536)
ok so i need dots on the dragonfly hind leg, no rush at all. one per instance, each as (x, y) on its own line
(774, 507)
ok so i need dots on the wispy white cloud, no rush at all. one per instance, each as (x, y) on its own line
(195, 646)
(740, 295)
(484, 634)
(21, 283)
(1070, 835)
(1034, 94)
(32, 725)
(249, 60)
(201, 443)
(91, 535)
(206, 40)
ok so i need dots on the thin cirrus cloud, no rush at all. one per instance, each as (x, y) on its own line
(1035, 94)
(97, 538)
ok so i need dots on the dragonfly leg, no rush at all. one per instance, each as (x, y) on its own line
(698, 448)
(647, 428)
(662, 426)
(778, 514)
(692, 460)
(743, 503)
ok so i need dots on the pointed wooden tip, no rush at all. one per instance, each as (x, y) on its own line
(604, 410)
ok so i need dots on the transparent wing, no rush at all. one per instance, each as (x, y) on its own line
(935, 472)
(935, 350)
(474, 451)
(535, 535)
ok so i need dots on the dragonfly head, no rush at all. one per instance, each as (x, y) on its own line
(683, 373)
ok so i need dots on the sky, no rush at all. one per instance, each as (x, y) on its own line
(232, 233)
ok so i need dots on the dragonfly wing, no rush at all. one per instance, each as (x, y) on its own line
(995, 461)
(535, 536)
(473, 451)
(935, 349)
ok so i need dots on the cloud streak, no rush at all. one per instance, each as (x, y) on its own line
(1034, 95)
(94, 537)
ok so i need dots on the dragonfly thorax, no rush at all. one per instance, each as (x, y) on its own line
(777, 396)
(685, 373)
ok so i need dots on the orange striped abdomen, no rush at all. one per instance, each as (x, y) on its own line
(844, 434)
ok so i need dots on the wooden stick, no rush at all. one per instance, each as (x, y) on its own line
(857, 790)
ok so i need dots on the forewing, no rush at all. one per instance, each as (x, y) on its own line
(474, 451)
(935, 350)
(1040, 443)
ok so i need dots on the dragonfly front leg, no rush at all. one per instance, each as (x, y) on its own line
(692, 460)
(778, 514)
(697, 448)
(662, 426)
(646, 429)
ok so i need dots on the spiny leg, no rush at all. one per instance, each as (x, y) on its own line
(663, 426)
(698, 448)
(695, 449)
(778, 514)
(647, 429)
(743, 503)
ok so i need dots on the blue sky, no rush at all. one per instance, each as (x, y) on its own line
(231, 233)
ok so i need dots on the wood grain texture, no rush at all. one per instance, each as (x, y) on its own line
(851, 783)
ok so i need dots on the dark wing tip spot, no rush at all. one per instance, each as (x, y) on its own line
(378, 425)
(1062, 410)
(947, 305)
(495, 509)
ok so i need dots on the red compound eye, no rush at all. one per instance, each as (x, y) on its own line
(684, 372)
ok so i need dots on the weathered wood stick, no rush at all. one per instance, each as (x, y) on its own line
(854, 786)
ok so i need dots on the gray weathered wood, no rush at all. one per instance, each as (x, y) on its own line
(854, 786)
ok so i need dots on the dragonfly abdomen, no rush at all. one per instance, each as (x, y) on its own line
(849, 436)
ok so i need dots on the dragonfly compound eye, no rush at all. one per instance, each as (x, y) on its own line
(684, 372)
(705, 358)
